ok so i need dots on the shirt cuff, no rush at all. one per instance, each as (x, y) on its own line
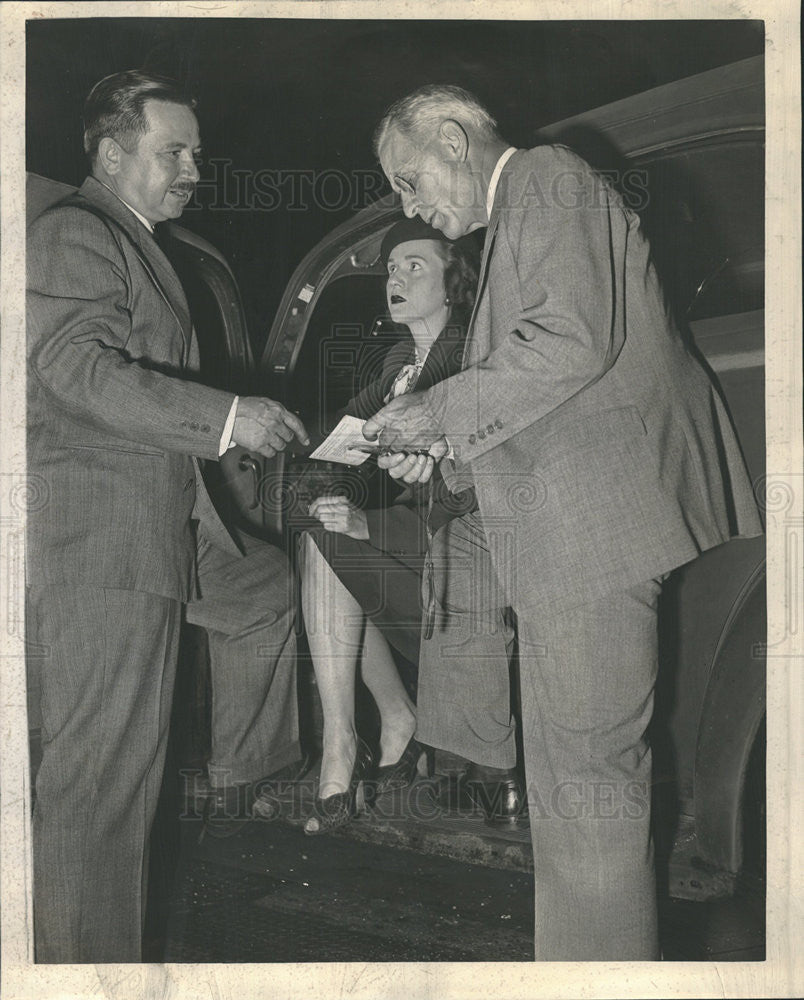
(228, 428)
(451, 453)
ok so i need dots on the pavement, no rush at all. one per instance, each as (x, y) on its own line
(402, 884)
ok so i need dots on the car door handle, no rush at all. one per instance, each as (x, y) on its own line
(247, 462)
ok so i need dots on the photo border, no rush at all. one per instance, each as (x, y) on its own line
(780, 974)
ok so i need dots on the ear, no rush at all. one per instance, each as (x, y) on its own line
(453, 138)
(109, 155)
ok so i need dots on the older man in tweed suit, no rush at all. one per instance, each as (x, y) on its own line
(116, 422)
(602, 458)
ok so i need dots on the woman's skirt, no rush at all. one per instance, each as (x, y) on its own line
(387, 587)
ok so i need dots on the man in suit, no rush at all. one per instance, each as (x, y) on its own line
(116, 425)
(602, 458)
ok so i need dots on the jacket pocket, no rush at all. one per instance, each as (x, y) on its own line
(580, 432)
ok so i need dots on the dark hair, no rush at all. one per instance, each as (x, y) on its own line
(115, 107)
(460, 276)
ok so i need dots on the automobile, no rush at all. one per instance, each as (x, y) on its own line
(689, 157)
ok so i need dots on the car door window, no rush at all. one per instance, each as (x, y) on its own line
(705, 220)
(705, 217)
(346, 340)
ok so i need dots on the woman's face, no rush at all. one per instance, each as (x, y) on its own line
(415, 286)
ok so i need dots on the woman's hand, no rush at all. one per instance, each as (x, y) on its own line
(413, 467)
(339, 515)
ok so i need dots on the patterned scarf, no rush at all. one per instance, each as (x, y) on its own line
(407, 377)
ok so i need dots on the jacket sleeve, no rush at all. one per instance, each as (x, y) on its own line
(80, 321)
(562, 238)
(365, 404)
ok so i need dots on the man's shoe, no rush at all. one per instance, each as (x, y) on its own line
(270, 792)
(229, 807)
(227, 810)
(499, 792)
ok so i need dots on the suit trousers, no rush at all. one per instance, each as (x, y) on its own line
(104, 670)
(587, 678)
(247, 606)
(107, 665)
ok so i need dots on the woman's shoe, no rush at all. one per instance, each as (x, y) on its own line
(337, 810)
(399, 775)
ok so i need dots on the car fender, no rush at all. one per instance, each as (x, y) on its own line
(733, 709)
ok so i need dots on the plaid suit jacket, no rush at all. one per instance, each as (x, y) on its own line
(113, 414)
(600, 450)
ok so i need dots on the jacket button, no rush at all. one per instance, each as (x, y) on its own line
(193, 426)
(490, 429)
(472, 439)
(498, 422)
(481, 435)
(204, 427)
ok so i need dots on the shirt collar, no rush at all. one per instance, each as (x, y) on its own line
(134, 211)
(495, 178)
(143, 220)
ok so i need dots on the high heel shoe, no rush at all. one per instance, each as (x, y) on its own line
(338, 809)
(399, 775)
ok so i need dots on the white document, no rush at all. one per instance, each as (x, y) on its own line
(346, 444)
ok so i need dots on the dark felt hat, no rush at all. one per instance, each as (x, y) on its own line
(407, 230)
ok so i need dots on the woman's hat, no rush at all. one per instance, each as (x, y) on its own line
(407, 230)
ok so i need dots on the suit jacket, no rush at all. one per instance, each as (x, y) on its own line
(599, 448)
(400, 528)
(113, 414)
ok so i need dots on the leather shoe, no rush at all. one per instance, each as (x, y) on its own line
(228, 808)
(499, 792)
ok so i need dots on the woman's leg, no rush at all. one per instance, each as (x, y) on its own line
(334, 624)
(339, 634)
(397, 712)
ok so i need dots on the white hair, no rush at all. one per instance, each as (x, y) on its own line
(424, 110)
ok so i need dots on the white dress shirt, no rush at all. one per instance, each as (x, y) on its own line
(495, 178)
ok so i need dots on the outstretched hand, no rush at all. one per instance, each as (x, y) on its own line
(406, 424)
(265, 426)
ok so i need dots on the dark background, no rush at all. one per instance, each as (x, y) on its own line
(302, 96)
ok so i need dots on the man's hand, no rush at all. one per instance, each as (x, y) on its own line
(407, 423)
(413, 468)
(338, 514)
(265, 426)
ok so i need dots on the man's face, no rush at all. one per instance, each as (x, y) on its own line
(159, 175)
(433, 185)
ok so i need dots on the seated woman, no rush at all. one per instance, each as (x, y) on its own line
(361, 575)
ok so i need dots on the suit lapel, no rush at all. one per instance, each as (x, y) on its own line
(169, 281)
(444, 357)
(488, 246)
(155, 263)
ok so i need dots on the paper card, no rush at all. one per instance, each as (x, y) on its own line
(345, 444)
